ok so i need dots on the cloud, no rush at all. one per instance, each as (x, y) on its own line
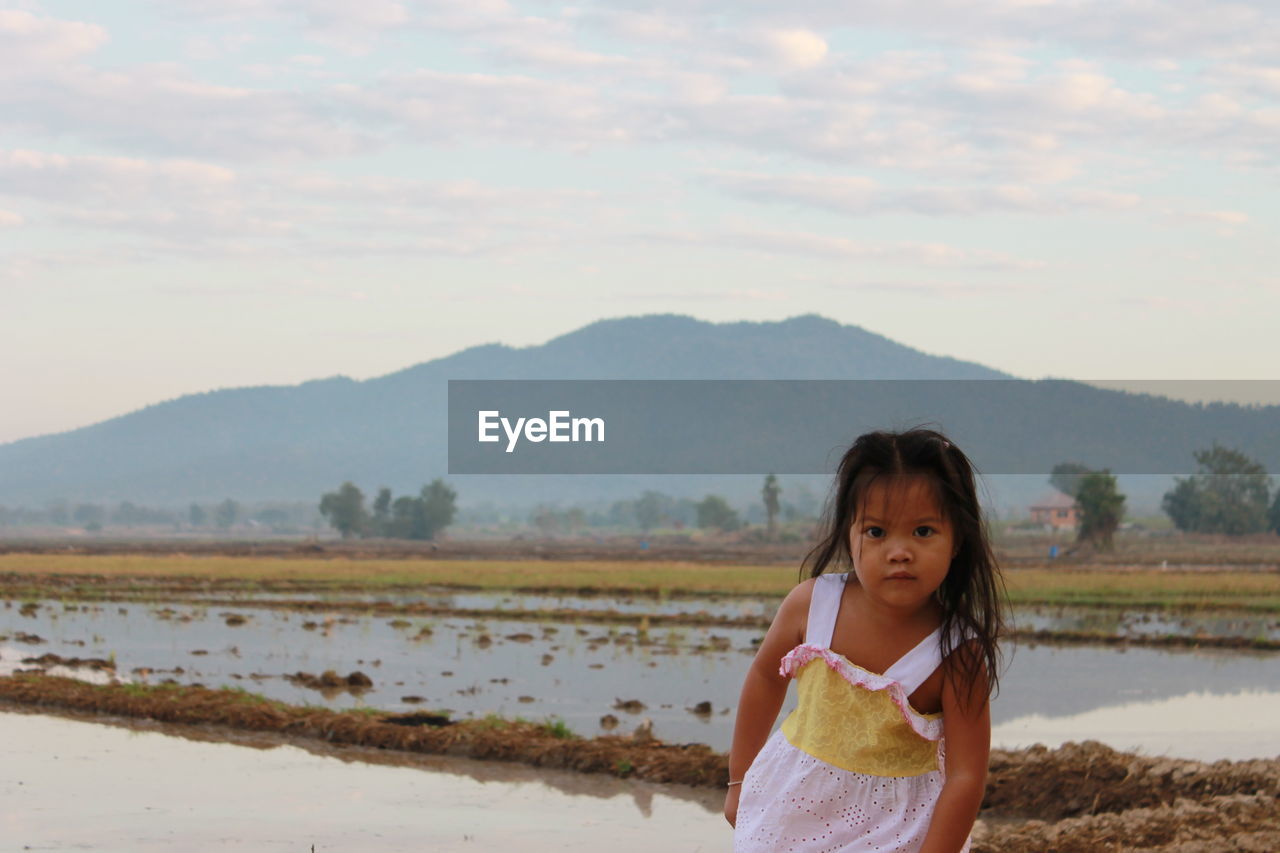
(200, 209)
(441, 107)
(161, 109)
(1217, 217)
(789, 48)
(40, 173)
(826, 247)
(352, 25)
(9, 219)
(969, 112)
(1116, 28)
(860, 196)
(27, 40)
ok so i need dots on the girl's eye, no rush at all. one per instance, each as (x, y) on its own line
(924, 531)
(874, 532)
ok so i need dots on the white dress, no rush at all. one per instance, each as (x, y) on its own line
(854, 767)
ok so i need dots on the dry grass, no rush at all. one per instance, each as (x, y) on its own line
(632, 576)
(1147, 588)
(1103, 587)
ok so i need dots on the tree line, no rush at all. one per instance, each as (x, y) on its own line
(279, 517)
(422, 516)
(1229, 493)
(653, 510)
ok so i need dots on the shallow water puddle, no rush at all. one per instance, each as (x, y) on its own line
(68, 784)
(1144, 623)
(1113, 621)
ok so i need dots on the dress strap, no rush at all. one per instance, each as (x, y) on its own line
(915, 666)
(824, 606)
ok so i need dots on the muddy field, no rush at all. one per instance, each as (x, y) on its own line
(1079, 798)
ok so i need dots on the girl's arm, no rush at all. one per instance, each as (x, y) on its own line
(764, 689)
(966, 724)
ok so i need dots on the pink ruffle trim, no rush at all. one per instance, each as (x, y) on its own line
(927, 728)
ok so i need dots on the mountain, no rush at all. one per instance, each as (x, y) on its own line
(296, 442)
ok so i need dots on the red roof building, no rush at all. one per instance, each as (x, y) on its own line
(1056, 511)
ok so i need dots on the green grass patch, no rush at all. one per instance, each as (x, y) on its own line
(557, 729)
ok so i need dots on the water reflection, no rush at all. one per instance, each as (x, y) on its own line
(71, 784)
(1199, 725)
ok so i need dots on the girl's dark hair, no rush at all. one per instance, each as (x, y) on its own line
(972, 594)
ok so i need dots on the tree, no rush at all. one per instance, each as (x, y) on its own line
(1228, 494)
(1273, 515)
(345, 510)
(770, 493)
(1182, 504)
(649, 510)
(420, 517)
(86, 515)
(225, 514)
(197, 515)
(546, 519)
(406, 518)
(59, 514)
(1066, 477)
(381, 511)
(439, 506)
(1101, 508)
(715, 512)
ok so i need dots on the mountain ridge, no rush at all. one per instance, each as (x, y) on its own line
(289, 442)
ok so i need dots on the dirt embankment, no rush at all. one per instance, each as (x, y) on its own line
(1201, 552)
(538, 744)
(1087, 797)
(1079, 798)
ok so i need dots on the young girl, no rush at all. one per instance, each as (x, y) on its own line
(891, 658)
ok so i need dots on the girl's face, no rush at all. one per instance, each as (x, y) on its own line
(901, 542)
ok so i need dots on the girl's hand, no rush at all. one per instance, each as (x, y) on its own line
(731, 804)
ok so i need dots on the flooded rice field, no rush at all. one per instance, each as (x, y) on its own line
(610, 677)
(1119, 622)
(134, 789)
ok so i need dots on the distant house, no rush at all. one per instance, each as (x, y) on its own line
(1056, 511)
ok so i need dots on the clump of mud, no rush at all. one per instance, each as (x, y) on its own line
(51, 659)
(330, 680)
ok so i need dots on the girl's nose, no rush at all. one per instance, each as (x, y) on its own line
(899, 551)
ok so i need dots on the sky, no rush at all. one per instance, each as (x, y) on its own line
(199, 195)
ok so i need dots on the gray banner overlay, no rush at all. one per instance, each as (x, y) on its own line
(803, 426)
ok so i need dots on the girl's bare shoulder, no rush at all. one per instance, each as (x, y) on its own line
(793, 613)
(801, 594)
